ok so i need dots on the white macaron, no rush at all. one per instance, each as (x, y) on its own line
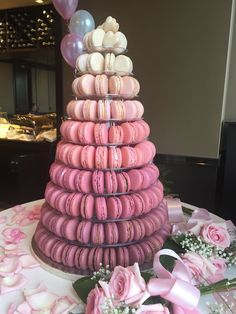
(123, 65)
(95, 63)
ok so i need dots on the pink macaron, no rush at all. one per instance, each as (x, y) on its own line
(114, 207)
(100, 208)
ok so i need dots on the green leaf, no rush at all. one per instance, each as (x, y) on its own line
(172, 245)
(146, 276)
(83, 286)
(156, 300)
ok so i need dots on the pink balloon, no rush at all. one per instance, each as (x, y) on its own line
(65, 8)
(71, 47)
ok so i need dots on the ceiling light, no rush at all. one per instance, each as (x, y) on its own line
(39, 1)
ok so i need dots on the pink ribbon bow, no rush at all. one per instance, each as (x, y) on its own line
(175, 287)
(175, 212)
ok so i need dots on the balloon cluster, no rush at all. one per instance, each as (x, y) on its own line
(80, 23)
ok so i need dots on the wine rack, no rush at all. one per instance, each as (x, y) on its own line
(29, 27)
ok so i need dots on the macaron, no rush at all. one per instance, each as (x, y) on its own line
(90, 110)
(129, 132)
(123, 182)
(111, 233)
(139, 229)
(85, 86)
(84, 232)
(95, 63)
(129, 156)
(116, 134)
(69, 229)
(139, 204)
(128, 206)
(88, 157)
(69, 258)
(74, 109)
(100, 208)
(111, 183)
(86, 133)
(123, 65)
(126, 231)
(116, 85)
(136, 254)
(101, 157)
(114, 207)
(103, 109)
(72, 205)
(101, 85)
(57, 251)
(81, 63)
(122, 256)
(87, 206)
(101, 133)
(109, 63)
(81, 258)
(121, 43)
(73, 158)
(115, 157)
(98, 181)
(97, 234)
(109, 258)
(118, 111)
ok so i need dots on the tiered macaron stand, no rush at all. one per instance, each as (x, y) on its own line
(79, 254)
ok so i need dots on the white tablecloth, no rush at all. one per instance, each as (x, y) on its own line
(54, 283)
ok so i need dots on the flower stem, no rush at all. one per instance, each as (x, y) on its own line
(220, 286)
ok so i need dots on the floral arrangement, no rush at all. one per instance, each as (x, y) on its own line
(192, 263)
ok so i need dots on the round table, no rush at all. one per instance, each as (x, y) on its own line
(54, 283)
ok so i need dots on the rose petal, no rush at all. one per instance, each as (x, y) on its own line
(11, 309)
(18, 208)
(3, 219)
(41, 301)
(63, 305)
(9, 284)
(25, 222)
(29, 292)
(27, 261)
(24, 308)
(9, 267)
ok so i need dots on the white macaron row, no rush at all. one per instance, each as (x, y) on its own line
(99, 40)
(96, 63)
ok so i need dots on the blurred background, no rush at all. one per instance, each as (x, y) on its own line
(184, 55)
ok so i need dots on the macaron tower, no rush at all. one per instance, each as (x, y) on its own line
(104, 203)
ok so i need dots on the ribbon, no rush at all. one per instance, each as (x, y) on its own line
(199, 217)
(175, 211)
(175, 287)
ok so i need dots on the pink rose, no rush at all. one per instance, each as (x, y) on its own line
(216, 234)
(13, 235)
(196, 265)
(127, 285)
(95, 301)
(199, 266)
(220, 265)
(153, 309)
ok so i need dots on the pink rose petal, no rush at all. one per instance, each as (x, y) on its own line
(27, 261)
(18, 208)
(13, 235)
(3, 219)
(9, 284)
(63, 305)
(24, 308)
(41, 301)
(39, 298)
(11, 309)
(9, 266)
